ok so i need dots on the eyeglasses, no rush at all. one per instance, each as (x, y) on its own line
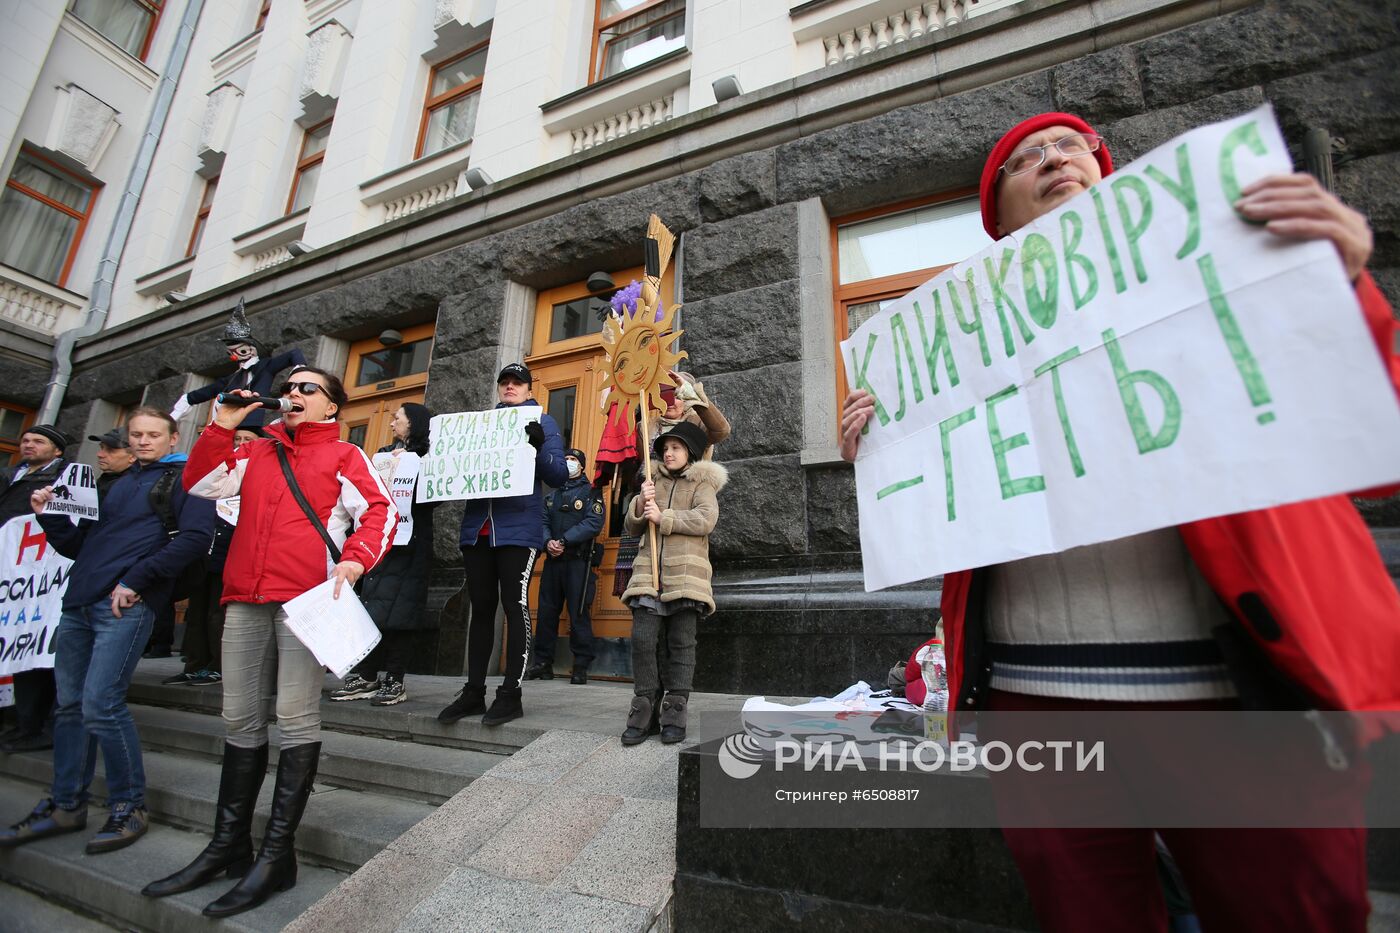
(305, 388)
(1033, 157)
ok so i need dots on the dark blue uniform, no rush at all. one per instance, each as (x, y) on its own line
(573, 514)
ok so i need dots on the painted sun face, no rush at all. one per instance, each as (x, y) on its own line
(641, 354)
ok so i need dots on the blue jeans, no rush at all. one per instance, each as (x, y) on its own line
(95, 656)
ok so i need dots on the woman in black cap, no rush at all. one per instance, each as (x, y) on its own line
(500, 540)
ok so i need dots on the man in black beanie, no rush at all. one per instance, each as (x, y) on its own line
(41, 450)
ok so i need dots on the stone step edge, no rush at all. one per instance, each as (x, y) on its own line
(110, 887)
(320, 825)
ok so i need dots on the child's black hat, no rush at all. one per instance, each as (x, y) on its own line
(691, 435)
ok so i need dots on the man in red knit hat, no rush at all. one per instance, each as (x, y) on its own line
(1195, 617)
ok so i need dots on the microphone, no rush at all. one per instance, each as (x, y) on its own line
(256, 401)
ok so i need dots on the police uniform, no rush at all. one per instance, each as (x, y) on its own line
(573, 514)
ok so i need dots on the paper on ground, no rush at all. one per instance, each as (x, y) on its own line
(339, 632)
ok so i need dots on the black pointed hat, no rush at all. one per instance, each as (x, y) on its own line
(238, 330)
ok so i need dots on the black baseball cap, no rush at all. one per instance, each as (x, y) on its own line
(516, 371)
(114, 438)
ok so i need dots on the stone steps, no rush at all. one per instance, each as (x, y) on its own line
(109, 886)
(397, 768)
(342, 828)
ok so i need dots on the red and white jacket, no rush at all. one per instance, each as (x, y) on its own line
(275, 553)
(1305, 582)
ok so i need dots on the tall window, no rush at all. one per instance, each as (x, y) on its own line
(313, 153)
(201, 216)
(882, 255)
(264, 8)
(627, 33)
(454, 91)
(43, 211)
(128, 23)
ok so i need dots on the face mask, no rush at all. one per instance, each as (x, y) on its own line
(574, 468)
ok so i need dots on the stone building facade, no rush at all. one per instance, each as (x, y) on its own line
(754, 185)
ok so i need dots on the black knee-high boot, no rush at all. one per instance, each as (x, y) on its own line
(231, 849)
(275, 868)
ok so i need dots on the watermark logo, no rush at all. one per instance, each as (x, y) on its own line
(740, 756)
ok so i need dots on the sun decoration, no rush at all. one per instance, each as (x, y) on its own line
(640, 346)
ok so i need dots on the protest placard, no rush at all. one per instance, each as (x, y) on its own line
(402, 471)
(1138, 358)
(33, 577)
(479, 455)
(74, 493)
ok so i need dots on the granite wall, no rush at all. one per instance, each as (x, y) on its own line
(792, 615)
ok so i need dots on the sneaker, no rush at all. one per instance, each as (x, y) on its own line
(45, 820)
(125, 824)
(177, 680)
(470, 701)
(389, 693)
(355, 688)
(205, 678)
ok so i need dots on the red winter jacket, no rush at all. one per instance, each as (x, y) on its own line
(275, 553)
(1305, 581)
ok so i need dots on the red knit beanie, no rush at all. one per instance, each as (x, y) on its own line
(987, 191)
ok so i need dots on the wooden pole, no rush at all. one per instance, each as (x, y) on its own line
(646, 467)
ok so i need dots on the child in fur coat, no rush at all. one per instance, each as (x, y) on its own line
(681, 500)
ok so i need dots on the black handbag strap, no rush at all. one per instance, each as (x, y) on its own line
(301, 501)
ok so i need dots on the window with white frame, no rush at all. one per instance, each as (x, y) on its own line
(628, 33)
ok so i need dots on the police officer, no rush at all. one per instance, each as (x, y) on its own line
(573, 517)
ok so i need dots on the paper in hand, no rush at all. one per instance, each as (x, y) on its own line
(339, 632)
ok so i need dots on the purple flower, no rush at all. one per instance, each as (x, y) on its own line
(625, 299)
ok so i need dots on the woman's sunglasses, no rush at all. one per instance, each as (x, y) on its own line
(305, 388)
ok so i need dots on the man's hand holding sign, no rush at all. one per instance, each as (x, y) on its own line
(1174, 343)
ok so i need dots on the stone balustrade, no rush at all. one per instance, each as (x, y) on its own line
(416, 201)
(271, 257)
(632, 120)
(37, 305)
(904, 25)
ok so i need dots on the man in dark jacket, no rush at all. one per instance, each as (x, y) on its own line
(573, 518)
(124, 562)
(41, 451)
(114, 457)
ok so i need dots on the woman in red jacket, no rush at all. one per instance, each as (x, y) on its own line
(1294, 600)
(277, 554)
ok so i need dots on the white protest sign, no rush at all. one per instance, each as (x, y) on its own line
(479, 455)
(1138, 358)
(402, 472)
(74, 493)
(33, 578)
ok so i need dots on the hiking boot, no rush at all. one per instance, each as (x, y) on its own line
(177, 680)
(579, 676)
(641, 721)
(355, 687)
(206, 679)
(125, 824)
(470, 701)
(45, 819)
(505, 708)
(540, 671)
(673, 718)
(389, 693)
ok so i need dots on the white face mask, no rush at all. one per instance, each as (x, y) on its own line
(574, 468)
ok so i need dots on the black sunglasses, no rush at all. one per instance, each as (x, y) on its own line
(305, 388)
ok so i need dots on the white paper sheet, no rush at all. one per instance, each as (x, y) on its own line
(339, 632)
